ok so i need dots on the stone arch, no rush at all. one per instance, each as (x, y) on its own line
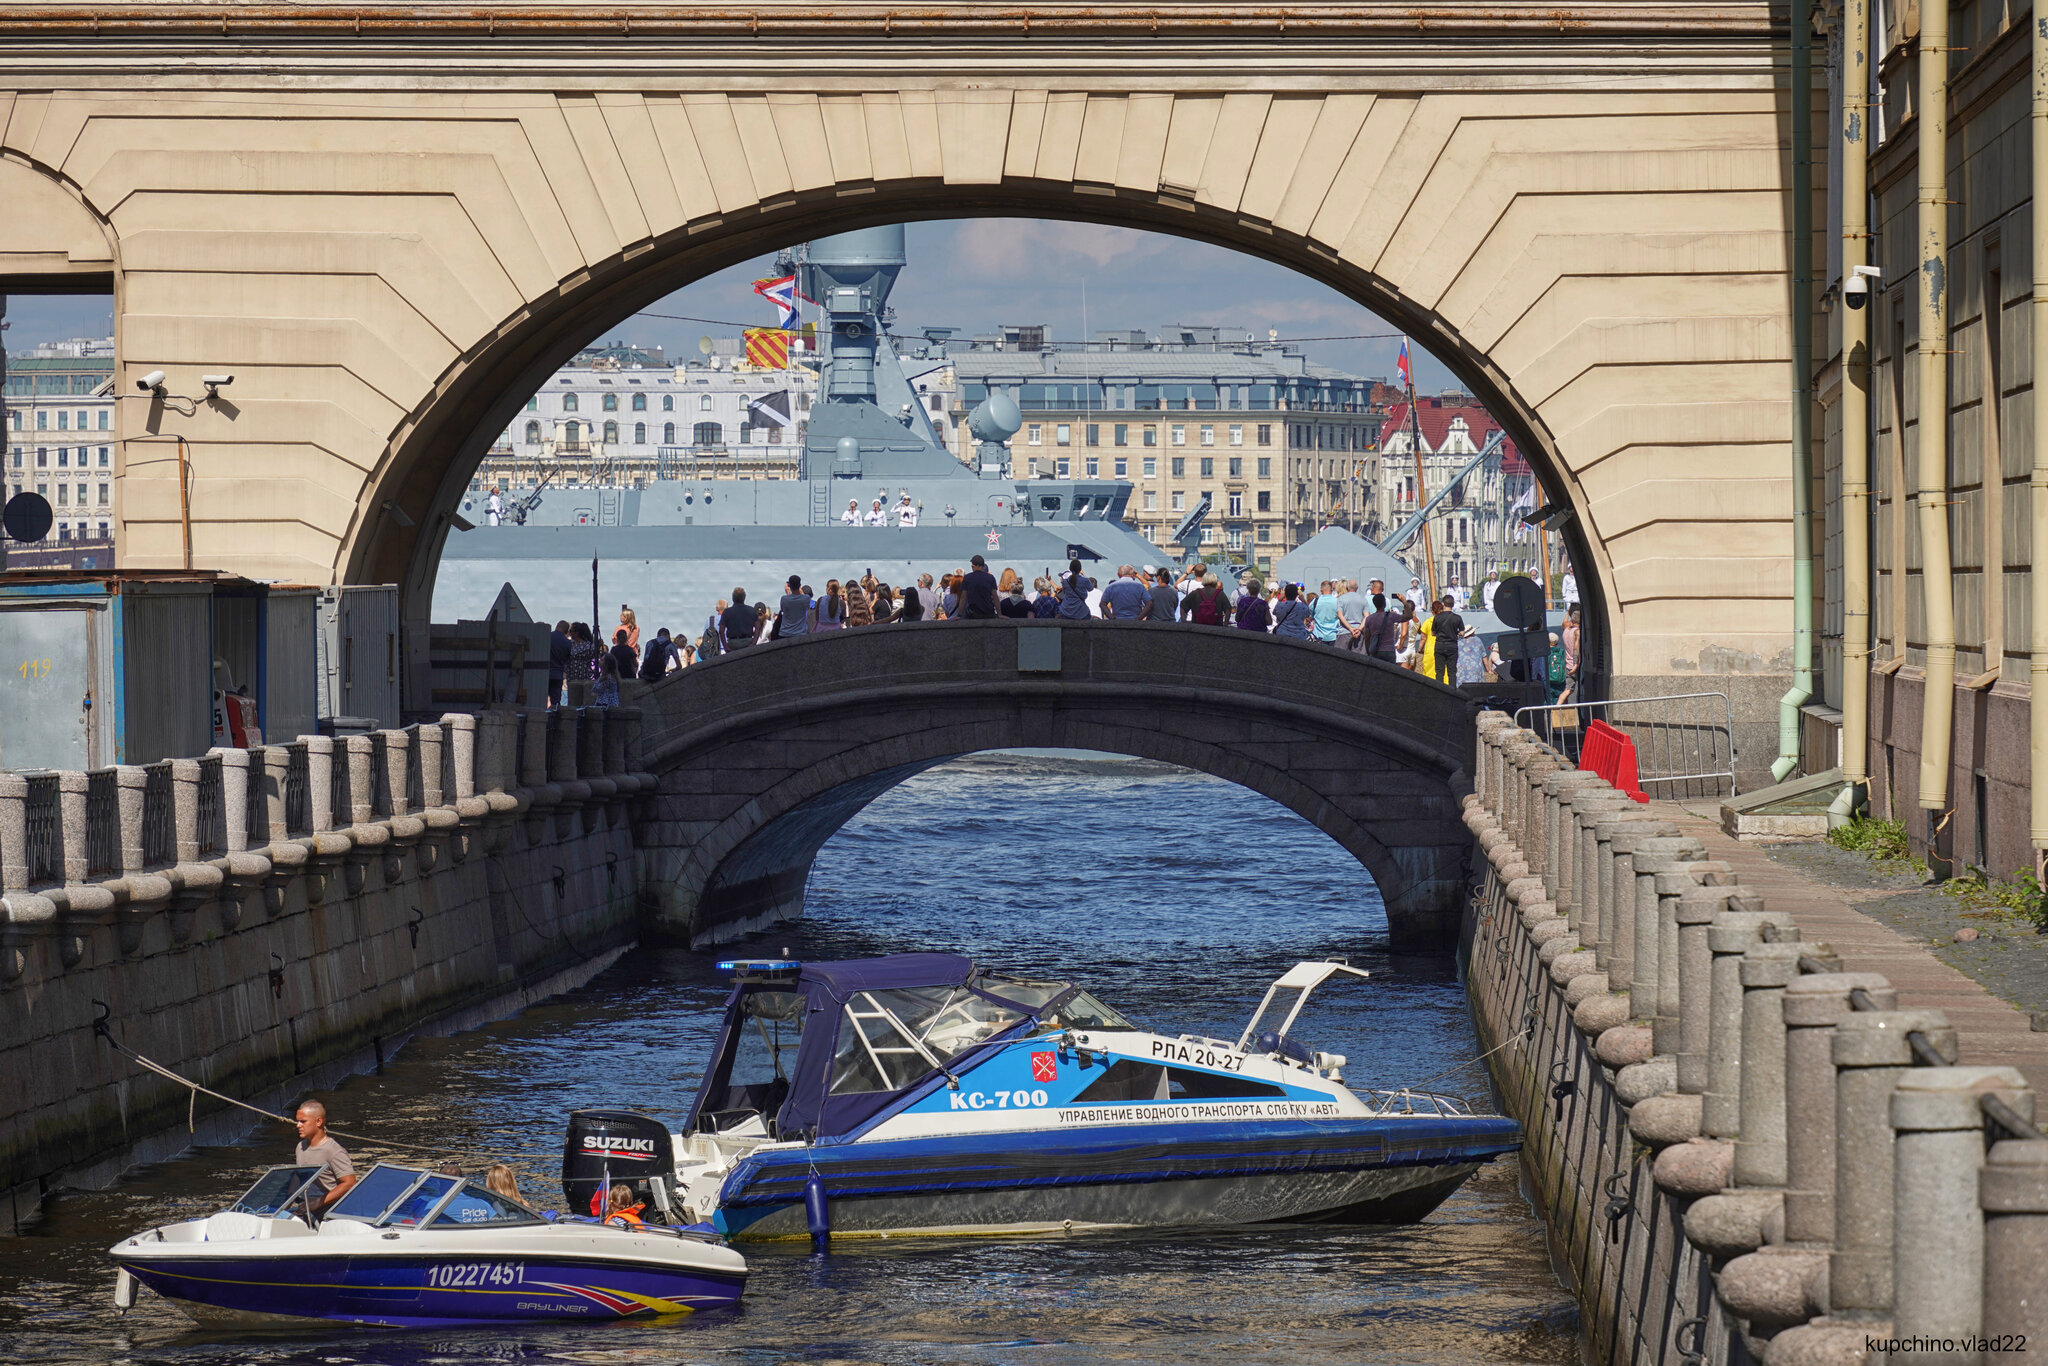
(759, 768)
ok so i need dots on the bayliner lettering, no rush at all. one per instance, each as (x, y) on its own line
(1174, 1051)
(1243, 1109)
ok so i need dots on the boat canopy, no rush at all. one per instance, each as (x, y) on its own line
(817, 1050)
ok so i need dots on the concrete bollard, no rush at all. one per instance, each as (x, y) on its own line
(1871, 1054)
(2013, 1193)
(461, 731)
(360, 754)
(1938, 1251)
(1557, 788)
(1764, 970)
(1729, 936)
(131, 798)
(431, 737)
(320, 780)
(1621, 929)
(277, 778)
(1587, 813)
(398, 761)
(561, 745)
(533, 766)
(1814, 1004)
(1664, 857)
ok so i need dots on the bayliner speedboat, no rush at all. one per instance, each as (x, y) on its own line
(413, 1249)
(923, 1094)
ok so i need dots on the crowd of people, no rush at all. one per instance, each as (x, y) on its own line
(1409, 628)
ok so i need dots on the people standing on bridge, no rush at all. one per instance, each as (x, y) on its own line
(582, 655)
(1165, 601)
(606, 691)
(1382, 630)
(1571, 589)
(976, 591)
(630, 624)
(658, 657)
(1325, 621)
(1572, 640)
(1471, 657)
(794, 616)
(625, 659)
(912, 609)
(1424, 658)
(859, 610)
(318, 1149)
(558, 662)
(1207, 604)
(1445, 629)
(1014, 606)
(1045, 602)
(1074, 590)
(737, 623)
(1125, 599)
(1252, 613)
(830, 614)
(1291, 616)
(1351, 614)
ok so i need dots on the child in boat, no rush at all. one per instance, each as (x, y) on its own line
(621, 1209)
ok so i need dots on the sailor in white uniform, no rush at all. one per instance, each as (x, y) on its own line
(852, 514)
(876, 516)
(906, 511)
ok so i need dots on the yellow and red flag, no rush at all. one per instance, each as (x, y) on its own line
(768, 348)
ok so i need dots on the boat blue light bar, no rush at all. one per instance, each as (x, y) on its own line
(760, 967)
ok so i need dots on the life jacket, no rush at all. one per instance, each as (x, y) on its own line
(626, 1218)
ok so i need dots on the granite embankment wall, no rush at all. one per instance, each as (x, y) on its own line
(267, 921)
(1743, 1153)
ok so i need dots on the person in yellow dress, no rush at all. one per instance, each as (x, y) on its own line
(1425, 653)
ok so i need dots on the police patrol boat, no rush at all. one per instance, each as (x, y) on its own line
(921, 1093)
(407, 1248)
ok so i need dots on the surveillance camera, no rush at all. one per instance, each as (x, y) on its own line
(1856, 289)
(151, 381)
(213, 382)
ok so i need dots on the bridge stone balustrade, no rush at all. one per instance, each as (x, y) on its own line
(763, 754)
(267, 921)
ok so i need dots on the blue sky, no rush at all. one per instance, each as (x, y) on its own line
(977, 273)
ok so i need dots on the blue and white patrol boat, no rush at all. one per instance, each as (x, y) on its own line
(921, 1093)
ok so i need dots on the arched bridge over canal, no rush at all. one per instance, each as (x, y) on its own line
(765, 754)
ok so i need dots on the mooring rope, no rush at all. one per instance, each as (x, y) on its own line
(101, 1028)
(1416, 1085)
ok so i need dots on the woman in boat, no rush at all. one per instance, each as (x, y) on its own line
(621, 1209)
(499, 1179)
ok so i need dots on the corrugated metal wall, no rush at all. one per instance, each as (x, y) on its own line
(291, 627)
(167, 665)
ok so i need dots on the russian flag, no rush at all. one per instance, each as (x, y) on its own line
(1402, 367)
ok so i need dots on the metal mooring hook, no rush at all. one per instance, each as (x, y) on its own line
(1620, 1205)
(611, 869)
(277, 976)
(1690, 1355)
(99, 1023)
(413, 929)
(561, 882)
(1561, 1087)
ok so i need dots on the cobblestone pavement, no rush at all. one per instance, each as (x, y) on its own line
(1885, 920)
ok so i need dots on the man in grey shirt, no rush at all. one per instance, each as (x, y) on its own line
(1165, 600)
(796, 610)
(1351, 614)
(317, 1149)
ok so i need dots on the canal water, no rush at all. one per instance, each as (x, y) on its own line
(1177, 897)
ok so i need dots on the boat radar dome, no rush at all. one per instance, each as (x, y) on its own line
(995, 418)
(846, 457)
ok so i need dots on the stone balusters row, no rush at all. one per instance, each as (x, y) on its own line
(1847, 1182)
(134, 839)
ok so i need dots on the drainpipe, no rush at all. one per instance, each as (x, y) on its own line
(2037, 486)
(1802, 393)
(1937, 708)
(1855, 401)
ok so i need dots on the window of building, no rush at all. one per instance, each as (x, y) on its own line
(106, 493)
(1208, 535)
(42, 457)
(611, 403)
(707, 434)
(1093, 434)
(668, 403)
(1265, 531)
(533, 433)
(568, 403)
(1235, 540)
(1265, 433)
(1180, 500)
(1065, 468)
(63, 420)
(14, 419)
(1120, 434)
(105, 420)
(533, 404)
(1265, 467)
(1151, 436)
(63, 457)
(62, 491)
(1180, 434)
(1208, 435)
(1265, 503)
(639, 403)
(1151, 467)
(1063, 434)
(668, 433)
(103, 530)
(1208, 467)
(639, 429)
(1237, 467)
(1236, 503)
(1033, 435)
(1094, 467)
(1123, 467)
(1237, 433)
(1180, 467)
(703, 403)
(611, 429)
(1151, 500)
(42, 420)
(746, 436)
(106, 456)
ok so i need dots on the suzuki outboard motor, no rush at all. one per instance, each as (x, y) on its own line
(618, 1147)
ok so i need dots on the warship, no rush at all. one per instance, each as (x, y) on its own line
(675, 546)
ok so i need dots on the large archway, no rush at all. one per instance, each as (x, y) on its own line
(764, 755)
(1595, 241)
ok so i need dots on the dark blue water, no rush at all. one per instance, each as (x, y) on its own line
(1177, 897)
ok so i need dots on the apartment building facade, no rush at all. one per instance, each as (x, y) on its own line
(60, 435)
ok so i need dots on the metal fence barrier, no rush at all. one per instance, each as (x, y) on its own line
(1685, 742)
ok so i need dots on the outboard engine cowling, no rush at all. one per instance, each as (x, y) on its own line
(615, 1146)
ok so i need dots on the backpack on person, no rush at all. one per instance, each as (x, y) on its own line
(1211, 608)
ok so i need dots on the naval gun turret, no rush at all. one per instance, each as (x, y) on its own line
(851, 435)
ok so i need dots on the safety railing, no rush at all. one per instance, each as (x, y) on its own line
(298, 790)
(45, 825)
(209, 806)
(415, 771)
(159, 816)
(102, 822)
(1685, 742)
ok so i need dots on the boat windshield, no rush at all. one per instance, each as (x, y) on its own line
(419, 1202)
(278, 1191)
(1058, 1005)
(474, 1204)
(889, 1039)
(377, 1192)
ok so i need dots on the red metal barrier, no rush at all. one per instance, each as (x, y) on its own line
(1612, 755)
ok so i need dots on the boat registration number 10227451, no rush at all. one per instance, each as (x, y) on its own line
(458, 1275)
